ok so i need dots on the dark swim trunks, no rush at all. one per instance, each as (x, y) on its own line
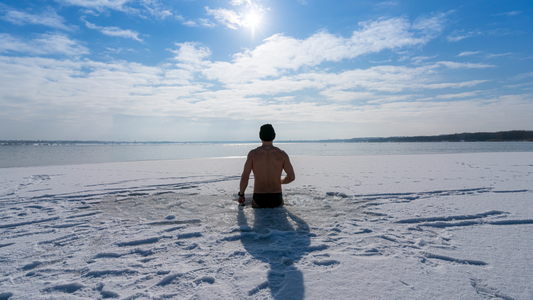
(268, 200)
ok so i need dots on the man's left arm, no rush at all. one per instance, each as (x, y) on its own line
(289, 170)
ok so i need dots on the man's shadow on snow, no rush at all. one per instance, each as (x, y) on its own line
(275, 240)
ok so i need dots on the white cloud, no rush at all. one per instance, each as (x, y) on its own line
(499, 55)
(48, 18)
(460, 95)
(186, 22)
(113, 50)
(453, 85)
(385, 4)
(458, 35)
(468, 53)
(206, 23)
(279, 54)
(509, 14)
(336, 95)
(44, 44)
(521, 85)
(191, 23)
(446, 116)
(282, 79)
(456, 65)
(285, 98)
(114, 31)
(155, 9)
(433, 25)
(523, 76)
(419, 59)
(97, 4)
(239, 2)
(191, 56)
(225, 16)
(143, 8)
(80, 94)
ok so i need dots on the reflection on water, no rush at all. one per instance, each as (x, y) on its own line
(279, 238)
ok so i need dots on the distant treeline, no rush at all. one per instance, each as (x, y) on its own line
(501, 136)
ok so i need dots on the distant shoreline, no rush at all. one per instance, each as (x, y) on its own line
(500, 136)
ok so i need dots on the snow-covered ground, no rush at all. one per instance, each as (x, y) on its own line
(446, 226)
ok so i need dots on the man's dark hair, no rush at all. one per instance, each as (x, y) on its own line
(267, 133)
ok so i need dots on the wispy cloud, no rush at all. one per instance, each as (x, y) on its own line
(432, 25)
(499, 55)
(464, 95)
(114, 31)
(509, 14)
(113, 50)
(520, 85)
(97, 4)
(418, 59)
(458, 35)
(456, 65)
(205, 23)
(468, 53)
(459, 95)
(47, 18)
(227, 17)
(385, 4)
(239, 2)
(44, 44)
(143, 8)
(154, 8)
(522, 76)
(199, 23)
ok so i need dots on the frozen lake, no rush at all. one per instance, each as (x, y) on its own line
(48, 155)
(432, 226)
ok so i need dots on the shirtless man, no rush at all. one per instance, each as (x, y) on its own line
(267, 162)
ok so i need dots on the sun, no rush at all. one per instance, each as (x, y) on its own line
(253, 19)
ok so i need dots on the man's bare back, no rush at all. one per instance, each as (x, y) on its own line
(267, 162)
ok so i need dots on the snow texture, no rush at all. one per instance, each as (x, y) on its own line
(439, 226)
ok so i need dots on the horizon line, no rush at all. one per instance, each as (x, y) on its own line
(249, 141)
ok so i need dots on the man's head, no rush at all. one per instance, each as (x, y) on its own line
(267, 133)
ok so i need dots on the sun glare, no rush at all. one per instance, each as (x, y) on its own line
(253, 19)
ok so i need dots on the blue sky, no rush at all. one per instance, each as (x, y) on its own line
(190, 70)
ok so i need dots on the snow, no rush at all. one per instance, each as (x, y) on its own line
(437, 226)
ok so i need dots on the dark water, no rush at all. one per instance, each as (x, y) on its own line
(47, 155)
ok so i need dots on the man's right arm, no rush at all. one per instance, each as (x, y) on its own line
(246, 174)
(287, 166)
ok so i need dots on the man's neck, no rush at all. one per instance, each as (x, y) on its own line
(267, 144)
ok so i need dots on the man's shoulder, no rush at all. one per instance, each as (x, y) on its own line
(254, 152)
(280, 153)
(271, 148)
(259, 150)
